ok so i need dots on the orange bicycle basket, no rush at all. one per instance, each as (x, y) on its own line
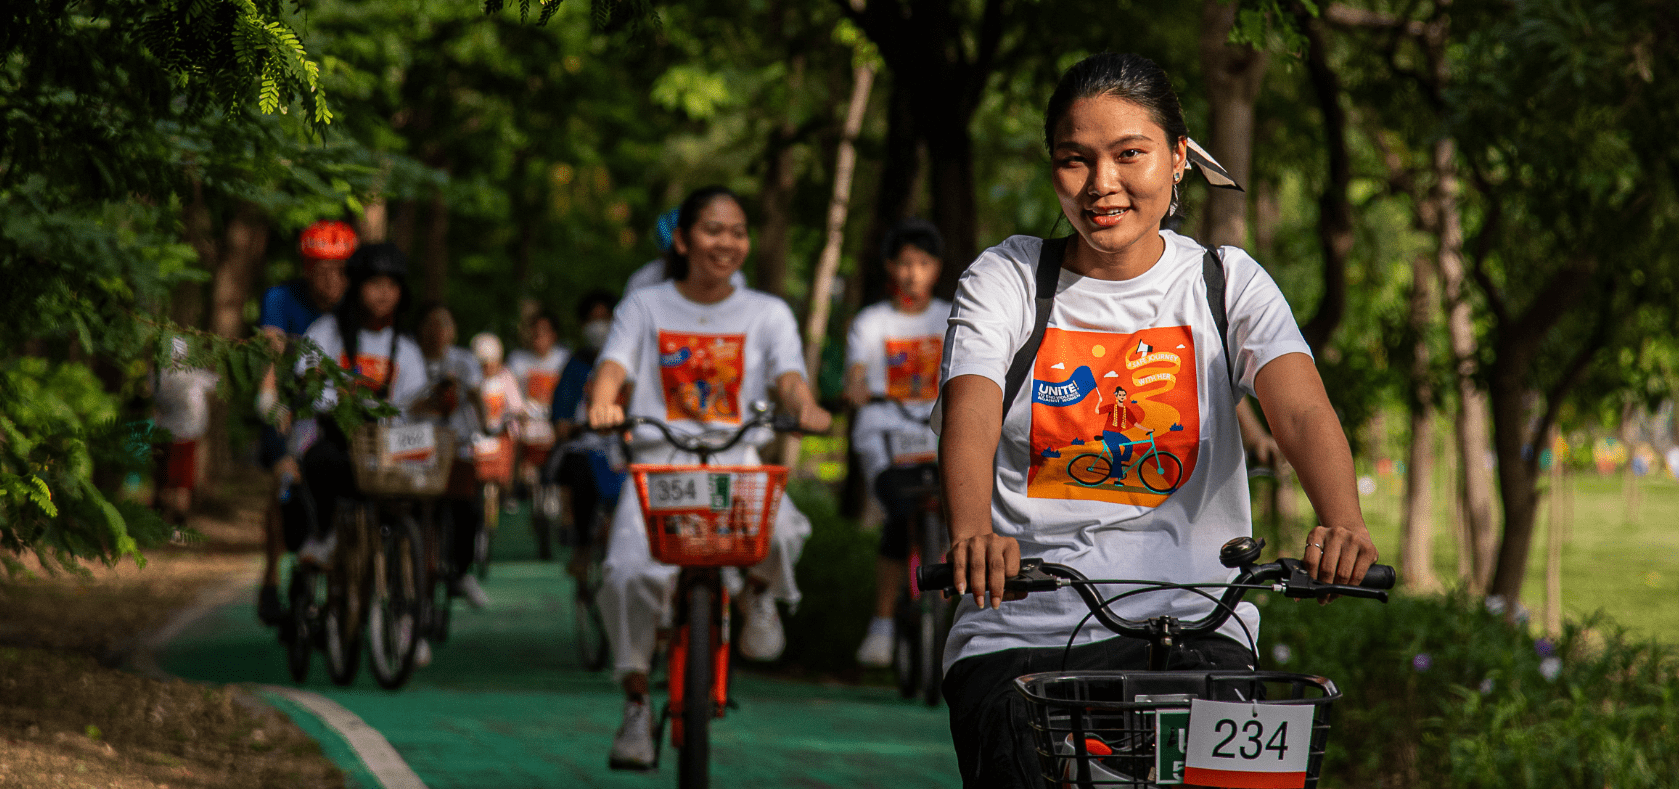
(709, 516)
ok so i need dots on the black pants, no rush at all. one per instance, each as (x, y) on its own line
(328, 474)
(988, 719)
(573, 471)
(466, 516)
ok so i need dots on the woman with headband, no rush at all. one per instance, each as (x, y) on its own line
(1133, 307)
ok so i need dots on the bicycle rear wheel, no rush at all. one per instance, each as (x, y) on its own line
(341, 625)
(588, 626)
(694, 759)
(906, 646)
(1089, 469)
(392, 616)
(297, 631)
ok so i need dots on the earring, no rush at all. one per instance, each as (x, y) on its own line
(1178, 177)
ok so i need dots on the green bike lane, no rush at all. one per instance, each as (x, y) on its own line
(506, 703)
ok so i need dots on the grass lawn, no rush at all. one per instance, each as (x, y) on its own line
(1627, 567)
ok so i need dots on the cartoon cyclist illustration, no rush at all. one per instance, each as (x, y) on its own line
(1124, 414)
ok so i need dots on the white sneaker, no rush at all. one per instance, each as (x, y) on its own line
(422, 653)
(467, 586)
(318, 550)
(876, 650)
(632, 748)
(761, 636)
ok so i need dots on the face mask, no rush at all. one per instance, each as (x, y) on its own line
(594, 333)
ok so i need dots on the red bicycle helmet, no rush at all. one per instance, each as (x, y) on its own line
(327, 239)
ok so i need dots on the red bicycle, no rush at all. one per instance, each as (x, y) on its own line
(704, 518)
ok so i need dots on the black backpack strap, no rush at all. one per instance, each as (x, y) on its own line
(1048, 275)
(1212, 270)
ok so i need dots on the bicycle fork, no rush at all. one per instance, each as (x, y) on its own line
(681, 643)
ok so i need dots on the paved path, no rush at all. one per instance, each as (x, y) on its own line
(506, 704)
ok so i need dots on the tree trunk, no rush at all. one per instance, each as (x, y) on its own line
(1416, 527)
(951, 164)
(405, 220)
(1234, 75)
(373, 226)
(1518, 479)
(1335, 223)
(896, 192)
(234, 275)
(1471, 421)
(827, 266)
(434, 263)
(775, 195)
(1553, 552)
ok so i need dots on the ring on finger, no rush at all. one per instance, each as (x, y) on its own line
(1317, 545)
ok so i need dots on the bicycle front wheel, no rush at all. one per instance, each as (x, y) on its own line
(588, 626)
(1160, 472)
(341, 632)
(935, 614)
(694, 760)
(393, 616)
(1089, 469)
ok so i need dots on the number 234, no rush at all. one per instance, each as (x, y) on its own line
(1255, 744)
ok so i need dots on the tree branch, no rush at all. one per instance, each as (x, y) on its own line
(1575, 370)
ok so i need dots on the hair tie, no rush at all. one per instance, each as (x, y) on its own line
(1210, 168)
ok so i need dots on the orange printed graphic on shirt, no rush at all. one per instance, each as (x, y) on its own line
(912, 367)
(371, 371)
(701, 375)
(539, 385)
(1115, 417)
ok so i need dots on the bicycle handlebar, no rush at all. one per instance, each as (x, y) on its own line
(699, 444)
(1287, 576)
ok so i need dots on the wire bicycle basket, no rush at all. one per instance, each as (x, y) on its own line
(1131, 728)
(709, 516)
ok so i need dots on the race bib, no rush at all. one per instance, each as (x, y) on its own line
(913, 447)
(1247, 745)
(410, 444)
(688, 491)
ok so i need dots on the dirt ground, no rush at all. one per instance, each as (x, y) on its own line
(69, 718)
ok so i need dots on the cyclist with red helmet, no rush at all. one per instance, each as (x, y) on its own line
(287, 310)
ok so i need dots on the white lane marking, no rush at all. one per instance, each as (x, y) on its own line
(375, 751)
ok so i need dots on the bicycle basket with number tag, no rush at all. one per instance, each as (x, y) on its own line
(1131, 728)
(709, 516)
(408, 460)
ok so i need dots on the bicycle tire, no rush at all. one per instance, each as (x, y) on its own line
(342, 639)
(437, 603)
(906, 646)
(341, 624)
(694, 757)
(1087, 474)
(491, 502)
(1160, 471)
(297, 633)
(588, 626)
(393, 631)
(935, 615)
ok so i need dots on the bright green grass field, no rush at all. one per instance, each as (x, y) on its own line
(1625, 567)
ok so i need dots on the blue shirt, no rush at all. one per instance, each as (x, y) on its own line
(287, 307)
(568, 393)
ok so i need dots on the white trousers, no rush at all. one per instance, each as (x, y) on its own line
(637, 589)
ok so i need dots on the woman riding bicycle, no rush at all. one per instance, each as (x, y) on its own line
(892, 352)
(388, 366)
(1130, 302)
(696, 334)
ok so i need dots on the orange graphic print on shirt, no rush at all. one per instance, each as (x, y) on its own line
(701, 375)
(372, 371)
(912, 368)
(539, 385)
(1115, 417)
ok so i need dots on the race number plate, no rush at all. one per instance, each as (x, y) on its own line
(910, 447)
(1171, 745)
(410, 443)
(688, 491)
(1248, 746)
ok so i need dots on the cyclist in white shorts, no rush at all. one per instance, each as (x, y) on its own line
(698, 351)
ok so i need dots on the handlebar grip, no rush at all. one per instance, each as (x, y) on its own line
(935, 577)
(1379, 576)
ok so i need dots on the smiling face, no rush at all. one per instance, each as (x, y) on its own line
(1113, 171)
(380, 295)
(716, 245)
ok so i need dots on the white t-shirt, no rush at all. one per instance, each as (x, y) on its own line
(900, 356)
(538, 376)
(373, 360)
(500, 394)
(696, 366)
(653, 272)
(459, 363)
(1154, 336)
(183, 403)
